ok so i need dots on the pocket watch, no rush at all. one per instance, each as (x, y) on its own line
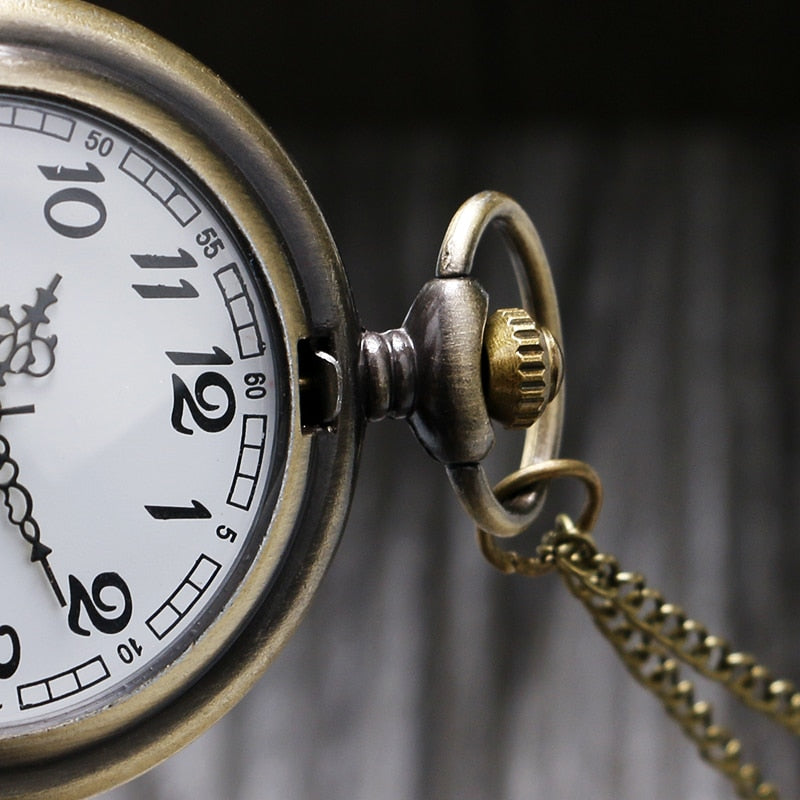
(184, 385)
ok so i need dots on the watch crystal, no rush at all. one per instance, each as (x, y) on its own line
(140, 399)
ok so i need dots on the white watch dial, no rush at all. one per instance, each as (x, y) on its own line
(140, 401)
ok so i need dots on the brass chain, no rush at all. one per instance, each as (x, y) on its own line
(652, 636)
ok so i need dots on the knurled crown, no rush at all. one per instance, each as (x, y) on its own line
(522, 367)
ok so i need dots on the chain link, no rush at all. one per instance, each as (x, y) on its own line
(651, 635)
(652, 638)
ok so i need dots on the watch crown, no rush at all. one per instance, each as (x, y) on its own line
(522, 367)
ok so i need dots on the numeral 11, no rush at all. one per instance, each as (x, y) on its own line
(160, 291)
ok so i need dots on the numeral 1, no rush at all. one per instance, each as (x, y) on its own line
(160, 291)
(217, 357)
(88, 174)
(183, 260)
(195, 511)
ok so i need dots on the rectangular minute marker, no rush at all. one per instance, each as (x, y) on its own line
(37, 121)
(65, 684)
(248, 465)
(240, 310)
(161, 186)
(188, 592)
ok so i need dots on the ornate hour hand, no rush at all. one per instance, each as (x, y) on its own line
(22, 349)
(19, 503)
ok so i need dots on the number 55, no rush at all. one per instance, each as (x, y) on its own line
(210, 242)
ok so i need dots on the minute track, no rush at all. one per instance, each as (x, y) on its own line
(135, 435)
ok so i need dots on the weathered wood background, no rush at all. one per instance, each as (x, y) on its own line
(419, 671)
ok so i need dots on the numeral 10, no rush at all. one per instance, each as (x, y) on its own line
(75, 200)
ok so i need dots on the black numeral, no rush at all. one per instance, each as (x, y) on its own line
(195, 511)
(210, 242)
(9, 667)
(161, 291)
(255, 385)
(61, 207)
(88, 174)
(102, 144)
(183, 260)
(227, 534)
(218, 357)
(105, 617)
(77, 197)
(128, 652)
(198, 404)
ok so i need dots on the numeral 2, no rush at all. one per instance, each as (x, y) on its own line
(198, 404)
(106, 618)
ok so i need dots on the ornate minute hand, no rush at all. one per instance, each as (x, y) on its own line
(19, 503)
(24, 351)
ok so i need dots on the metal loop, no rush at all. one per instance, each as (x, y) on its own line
(538, 296)
(530, 479)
